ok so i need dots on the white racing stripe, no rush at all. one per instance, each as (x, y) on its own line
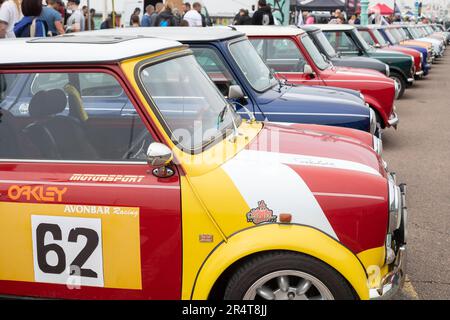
(282, 189)
(264, 157)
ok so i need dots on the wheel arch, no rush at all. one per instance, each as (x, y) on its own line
(248, 243)
(400, 72)
(375, 105)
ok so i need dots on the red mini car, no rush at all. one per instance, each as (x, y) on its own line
(294, 57)
(373, 37)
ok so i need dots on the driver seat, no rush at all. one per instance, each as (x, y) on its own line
(56, 136)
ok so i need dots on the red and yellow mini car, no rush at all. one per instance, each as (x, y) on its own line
(125, 174)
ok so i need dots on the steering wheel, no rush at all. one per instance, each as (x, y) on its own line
(137, 150)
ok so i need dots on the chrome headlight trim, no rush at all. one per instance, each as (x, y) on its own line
(377, 145)
(388, 71)
(373, 121)
(363, 98)
(395, 205)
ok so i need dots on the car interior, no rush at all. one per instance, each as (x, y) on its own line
(282, 55)
(52, 123)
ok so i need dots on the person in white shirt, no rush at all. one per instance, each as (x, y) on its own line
(76, 21)
(193, 16)
(10, 13)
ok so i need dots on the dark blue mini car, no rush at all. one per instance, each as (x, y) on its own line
(241, 75)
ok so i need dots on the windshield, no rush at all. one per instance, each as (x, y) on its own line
(409, 35)
(193, 110)
(361, 40)
(252, 66)
(367, 37)
(415, 33)
(402, 33)
(329, 50)
(379, 38)
(396, 34)
(390, 35)
(314, 53)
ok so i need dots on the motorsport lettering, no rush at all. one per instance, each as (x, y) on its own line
(106, 178)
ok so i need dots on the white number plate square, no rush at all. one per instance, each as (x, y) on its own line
(67, 250)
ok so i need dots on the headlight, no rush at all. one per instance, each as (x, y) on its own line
(373, 121)
(394, 205)
(388, 72)
(378, 145)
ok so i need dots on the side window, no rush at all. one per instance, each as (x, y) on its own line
(69, 117)
(91, 84)
(216, 69)
(341, 42)
(6, 84)
(284, 56)
(367, 37)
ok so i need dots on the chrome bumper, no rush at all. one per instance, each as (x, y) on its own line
(410, 80)
(394, 280)
(393, 120)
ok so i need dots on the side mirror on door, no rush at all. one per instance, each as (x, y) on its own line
(235, 92)
(307, 69)
(159, 156)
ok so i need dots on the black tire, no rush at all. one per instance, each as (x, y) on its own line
(401, 81)
(264, 264)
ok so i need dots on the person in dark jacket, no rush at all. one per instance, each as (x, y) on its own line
(263, 16)
(31, 25)
(242, 18)
(166, 18)
(136, 12)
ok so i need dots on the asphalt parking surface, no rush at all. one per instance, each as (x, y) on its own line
(419, 152)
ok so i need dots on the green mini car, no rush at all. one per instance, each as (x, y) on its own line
(348, 42)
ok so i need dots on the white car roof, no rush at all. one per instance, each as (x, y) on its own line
(333, 26)
(81, 49)
(270, 30)
(182, 34)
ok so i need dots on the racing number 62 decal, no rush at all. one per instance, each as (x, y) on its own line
(67, 250)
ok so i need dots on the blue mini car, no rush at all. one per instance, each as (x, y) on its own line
(241, 75)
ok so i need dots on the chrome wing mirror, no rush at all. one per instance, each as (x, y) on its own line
(235, 92)
(159, 156)
(307, 69)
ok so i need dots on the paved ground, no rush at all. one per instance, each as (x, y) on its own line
(419, 152)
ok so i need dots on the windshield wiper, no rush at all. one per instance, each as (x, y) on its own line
(250, 114)
(281, 84)
(221, 117)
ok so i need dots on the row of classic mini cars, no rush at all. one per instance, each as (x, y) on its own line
(168, 163)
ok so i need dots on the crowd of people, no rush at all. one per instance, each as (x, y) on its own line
(166, 15)
(24, 18)
(338, 17)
